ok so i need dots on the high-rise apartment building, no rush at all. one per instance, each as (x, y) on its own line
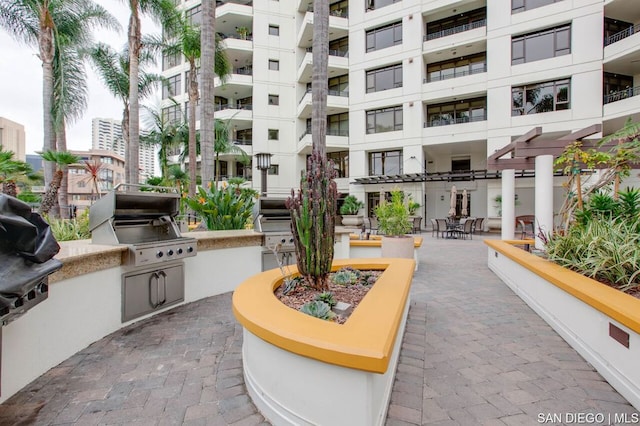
(12, 138)
(106, 134)
(421, 92)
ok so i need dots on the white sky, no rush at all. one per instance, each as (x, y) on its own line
(21, 85)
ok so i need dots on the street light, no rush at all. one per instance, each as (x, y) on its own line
(263, 161)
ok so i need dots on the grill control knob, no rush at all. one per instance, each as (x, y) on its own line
(283, 241)
(170, 252)
(291, 240)
(159, 254)
(180, 251)
(189, 249)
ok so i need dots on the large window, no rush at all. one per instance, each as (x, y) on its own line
(172, 87)
(384, 119)
(541, 97)
(383, 37)
(337, 124)
(339, 86)
(457, 112)
(339, 47)
(522, 5)
(341, 161)
(541, 45)
(385, 78)
(220, 103)
(194, 15)
(385, 163)
(456, 24)
(172, 114)
(171, 60)
(457, 67)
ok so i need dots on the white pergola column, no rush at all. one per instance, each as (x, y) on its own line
(544, 197)
(508, 204)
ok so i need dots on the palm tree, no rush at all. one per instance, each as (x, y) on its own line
(10, 170)
(178, 177)
(207, 65)
(165, 12)
(47, 25)
(164, 134)
(113, 69)
(186, 41)
(93, 168)
(223, 145)
(320, 82)
(61, 158)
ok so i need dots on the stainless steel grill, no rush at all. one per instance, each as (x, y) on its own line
(274, 221)
(145, 223)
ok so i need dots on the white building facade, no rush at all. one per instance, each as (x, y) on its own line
(421, 92)
(106, 134)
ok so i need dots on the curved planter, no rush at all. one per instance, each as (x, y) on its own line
(598, 321)
(305, 371)
(352, 220)
(398, 246)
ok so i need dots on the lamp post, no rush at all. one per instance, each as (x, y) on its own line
(263, 161)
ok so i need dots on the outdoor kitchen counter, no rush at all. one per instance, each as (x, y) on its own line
(82, 257)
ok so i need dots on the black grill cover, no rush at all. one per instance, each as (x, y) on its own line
(27, 247)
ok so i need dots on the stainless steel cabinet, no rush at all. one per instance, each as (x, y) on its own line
(149, 289)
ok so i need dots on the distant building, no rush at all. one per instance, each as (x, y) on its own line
(35, 161)
(106, 135)
(12, 138)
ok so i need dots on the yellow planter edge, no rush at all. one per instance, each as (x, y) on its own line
(364, 342)
(619, 306)
(377, 242)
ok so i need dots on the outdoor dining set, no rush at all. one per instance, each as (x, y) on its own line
(452, 228)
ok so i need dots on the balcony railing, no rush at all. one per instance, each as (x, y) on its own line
(236, 36)
(622, 35)
(330, 132)
(456, 73)
(220, 107)
(333, 52)
(621, 94)
(456, 30)
(343, 93)
(245, 142)
(223, 2)
(244, 70)
(448, 121)
(340, 13)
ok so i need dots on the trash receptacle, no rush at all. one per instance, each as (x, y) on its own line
(27, 248)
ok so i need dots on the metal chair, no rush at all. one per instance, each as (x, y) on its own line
(442, 227)
(417, 221)
(478, 225)
(466, 229)
(434, 226)
(373, 225)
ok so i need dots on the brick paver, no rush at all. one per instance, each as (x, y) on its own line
(473, 353)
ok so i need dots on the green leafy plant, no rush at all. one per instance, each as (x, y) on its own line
(318, 309)
(230, 207)
(413, 206)
(393, 216)
(328, 298)
(351, 205)
(71, 229)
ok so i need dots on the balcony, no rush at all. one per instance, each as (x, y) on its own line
(442, 121)
(341, 93)
(248, 70)
(622, 35)
(243, 142)
(330, 132)
(621, 94)
(456, 73)
(456, 30)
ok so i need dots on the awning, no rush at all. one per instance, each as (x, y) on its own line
(451, 176)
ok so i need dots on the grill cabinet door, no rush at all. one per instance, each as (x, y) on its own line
(147, 290)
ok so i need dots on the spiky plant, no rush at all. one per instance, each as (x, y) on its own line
(313, 213)
(59, 158)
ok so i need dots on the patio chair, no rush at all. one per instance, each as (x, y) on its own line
(434, 226)
(442, 227)
(417, 221)
(526, 229)
(478, 225)
(465, 229)
(373, 225)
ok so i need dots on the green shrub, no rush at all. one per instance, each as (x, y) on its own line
(393, 216)
(71, 229)
(351, 205)
(230, 207)
(318, 309)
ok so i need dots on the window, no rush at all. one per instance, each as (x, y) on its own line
(339, 47)
(194, 16)
(385, 163)
(383, 37)
(274, 65)
(339, 86)
(456, 24)
(460, 164)
(540, 97)
(384, 120)
(243, 171)
(341, 161)
(385, 78)
(377, 4)
(172, 87)
(171, 114)
(541, 45)
(463, 111)
(274, 100)
(170, 60)
(245, 103)
(337, 124)
(82, 184)
(274, 134)
(224, 169)
(458, 67)
(274, 30)
(522, 5)
(616, 87)
(244, 136)
(273, 170)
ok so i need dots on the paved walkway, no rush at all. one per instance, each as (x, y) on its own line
(473, 353)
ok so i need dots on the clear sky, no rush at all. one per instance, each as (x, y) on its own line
(21, 85)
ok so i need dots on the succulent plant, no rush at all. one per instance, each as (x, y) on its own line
(318, 309)
(328, 298)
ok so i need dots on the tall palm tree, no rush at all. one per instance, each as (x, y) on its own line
(163, 134)
(320, 82)
(165, 12)
(186, 41)
(61, 158)
(47, 24)
(207, 79)
(113, 69)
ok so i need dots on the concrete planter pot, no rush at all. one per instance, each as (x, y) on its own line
(291, 359)
(598, 321)
(398, 246)
(494, 224)
(352, 220)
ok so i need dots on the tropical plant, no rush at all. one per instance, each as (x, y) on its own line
(242, 32)
(207, 80)
(93, 169)
(603, 206)
(393, 216)
(328, 298)
(229, 207)
(113, 69)
(413, 206)
(351, 205)
(51, 25)
(61, 159)
(71, 229)
(318, 309)
(10, 171)
(163, 134)
(159, 10)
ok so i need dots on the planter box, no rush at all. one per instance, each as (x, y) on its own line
(599, 322)
(373, 247)
(305, 371)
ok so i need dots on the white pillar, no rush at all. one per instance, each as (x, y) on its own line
(508, 204)
(544, 197)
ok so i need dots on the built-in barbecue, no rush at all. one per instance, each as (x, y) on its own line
(144, 222)
(273, 219)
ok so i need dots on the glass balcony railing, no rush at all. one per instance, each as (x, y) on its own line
(455, 73)
(340, 13)
(333, 52)
(621, 94)
(244, 70)
(220, 107)
(245, 142)
(456, 30)
(330, 132)
(444, 121)
(342, 93)
(622, 35)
